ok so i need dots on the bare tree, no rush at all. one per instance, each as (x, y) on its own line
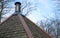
(3, 5)
(52, 25)
(4, 8)
(28, 6)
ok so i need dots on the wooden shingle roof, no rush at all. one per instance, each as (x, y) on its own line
(13, 27)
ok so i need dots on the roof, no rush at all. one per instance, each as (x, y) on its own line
(21, 27)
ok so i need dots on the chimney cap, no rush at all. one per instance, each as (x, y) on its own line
(17, 3)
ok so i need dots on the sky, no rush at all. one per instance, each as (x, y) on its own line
(44, 8)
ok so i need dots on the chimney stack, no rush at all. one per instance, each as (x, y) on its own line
(17, 7)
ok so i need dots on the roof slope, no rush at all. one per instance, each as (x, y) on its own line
(13, 28)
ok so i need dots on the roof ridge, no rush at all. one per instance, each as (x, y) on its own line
(25, 26)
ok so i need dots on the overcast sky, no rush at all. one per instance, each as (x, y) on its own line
(44, 9)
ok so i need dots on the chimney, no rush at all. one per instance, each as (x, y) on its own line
(17, 7)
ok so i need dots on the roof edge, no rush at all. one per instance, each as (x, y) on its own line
(40, 28)
(6, 19)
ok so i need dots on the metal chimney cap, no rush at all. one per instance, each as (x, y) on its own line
(17, 3)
